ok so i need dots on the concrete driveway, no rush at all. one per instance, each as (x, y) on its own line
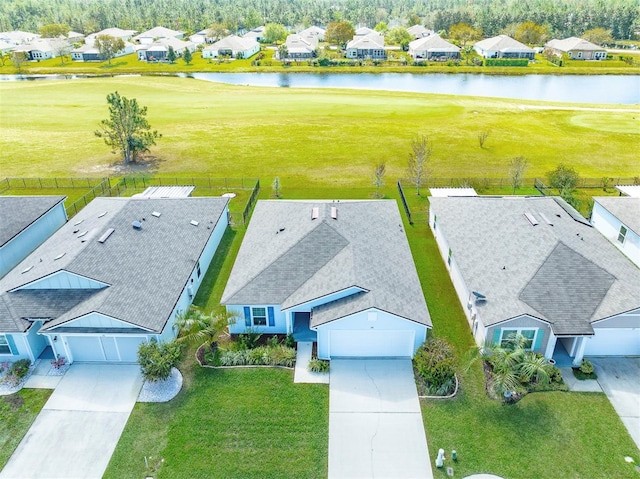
(76, 432)
(620, 381)
(375, 422)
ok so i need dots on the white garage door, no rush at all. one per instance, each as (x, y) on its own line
(362, 344)
(104, 348)
(614, 342)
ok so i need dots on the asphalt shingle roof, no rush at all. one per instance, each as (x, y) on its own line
(19, 212)
(287, 258)
(502, 43)
(567, 273)
(573, 43)
(625, 208)
(144, 270)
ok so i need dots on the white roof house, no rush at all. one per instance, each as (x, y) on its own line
(111, 32)
(156, 33)
(45, 48)
(17, 37)
(618, 219)
(368, 46)
(158, 50)
(6, 47)
(419, 31)
(362, 31)
(503, 46)
(313, 31)
(256, 33)
(89, 53)
(433, 47)
(535, 266)
(233, 46)
(299, 46)
(576, 49)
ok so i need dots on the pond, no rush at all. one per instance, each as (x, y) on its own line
(597, 89)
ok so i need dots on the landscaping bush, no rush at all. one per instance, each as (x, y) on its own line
(157, 359)
(289, 341)
(587, 367)
(249, 340)
(506, 62)
(20, 368)
(435, 364)
(585, 371)
(279, 355)
(318, 365)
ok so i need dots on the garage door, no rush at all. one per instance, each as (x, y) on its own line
(104, 348)
(362, 344)
(614, 342)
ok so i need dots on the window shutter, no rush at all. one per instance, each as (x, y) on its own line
(539, 339)
(272, 319)
(496, 337)
(247, 316)
(12, 345)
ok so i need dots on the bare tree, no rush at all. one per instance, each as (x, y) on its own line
(482, 137)
(418, 167)
(517, 167)
(378, 178)
(276, 187)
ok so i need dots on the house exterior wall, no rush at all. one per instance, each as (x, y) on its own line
(19, 346)
(37, 342)
(543, 332)
(630, 319)
(31, 237)
(501, 54)
(378, 53)
(587, 55)
(609, 226)
(361, 321)
(243, 322)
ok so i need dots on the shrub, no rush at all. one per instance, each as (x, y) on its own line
(435, 362)
(59, 362)
(249, 340)
(282, 356)
(273, 341)
(506, 62)
(319, 365)
(279, 355)
(586, 367)
(289, 341)
(20, 368)
(157, 359)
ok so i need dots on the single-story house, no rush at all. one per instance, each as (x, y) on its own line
(534, 266)
(159, 50)
(364, 31)
(17, 37)
(339, 273)
(156, 33)
(618, 219)
(433, 47)
(418, 31)
(256, 33)
(45, 48)
(313, 31)
(25, 223)
(299, 47)
(75, 36)
(6, 47)
(115, 32)
(112, 277)
(89, 53)
(233, 46)
(368, 46)
(576, 49)
(503, 46)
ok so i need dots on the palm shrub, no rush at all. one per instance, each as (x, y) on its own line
(197, 327)
(156, 359)
(318, 365)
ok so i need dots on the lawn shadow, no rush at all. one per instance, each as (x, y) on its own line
(109, 66)
(148, 164)
(207, 289)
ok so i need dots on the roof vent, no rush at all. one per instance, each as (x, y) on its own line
(194, 223)
(26, 270)
(136, 225)
(59, 256)
(334, 212)
(77, 223)
(156, 214)
(532, 219)
(315, 213)
(545, 219)
(102, 214)
(82, 234)
(106, 235)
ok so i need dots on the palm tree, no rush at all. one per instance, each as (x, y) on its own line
(197, 327)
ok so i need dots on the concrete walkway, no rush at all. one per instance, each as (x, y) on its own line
(78, 428)
(301, 372)
(375, 421)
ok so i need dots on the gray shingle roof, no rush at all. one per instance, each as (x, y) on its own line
(524, 269)
(502, 43)
(433, 43)
(19, 212)
(625, 208)
(145, 270)
(287, 258)
(573, 43)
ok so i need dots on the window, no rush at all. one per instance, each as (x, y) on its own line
(449, 257)
(435, 221)
(259, 316)
(198, 269)
(508, 336)
(622, 234)
(4, 345)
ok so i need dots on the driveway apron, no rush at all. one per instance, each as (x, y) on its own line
(78, 428)
(375, 422)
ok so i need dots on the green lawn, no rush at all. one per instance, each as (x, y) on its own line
(319, 137)
(17, 413)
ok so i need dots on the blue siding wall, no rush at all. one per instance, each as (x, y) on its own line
(22, 245)
(276, 319)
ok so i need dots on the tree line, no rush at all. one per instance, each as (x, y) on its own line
(562, 18)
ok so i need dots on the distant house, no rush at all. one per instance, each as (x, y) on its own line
(339, 273)
(45, 48)
(418, 31)
(113, 277)
(26, 222)
(17, 37)
(159, 50)
(232, 46)
(364, 31)
(535, 267)
(157, 33)
(576, 49)
(124, 35)
(503, 46)
(255, 33)
(433, 47)
(313, 31)
(370, 46)
(618, 219)
(6, 47)
(89, 53)
(299, 47)
(75, 37)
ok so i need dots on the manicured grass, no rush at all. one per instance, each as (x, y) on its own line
(319, 137)
(17, 413)
(72, 194)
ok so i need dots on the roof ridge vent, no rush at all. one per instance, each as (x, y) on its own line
(532, 219)
(106, 235)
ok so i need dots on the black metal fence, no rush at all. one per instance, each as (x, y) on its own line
(250, 203)
(407, 210)
(102, 189)
(44, 183)
(143, 182)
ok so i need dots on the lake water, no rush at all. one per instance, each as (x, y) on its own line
(599, 89)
